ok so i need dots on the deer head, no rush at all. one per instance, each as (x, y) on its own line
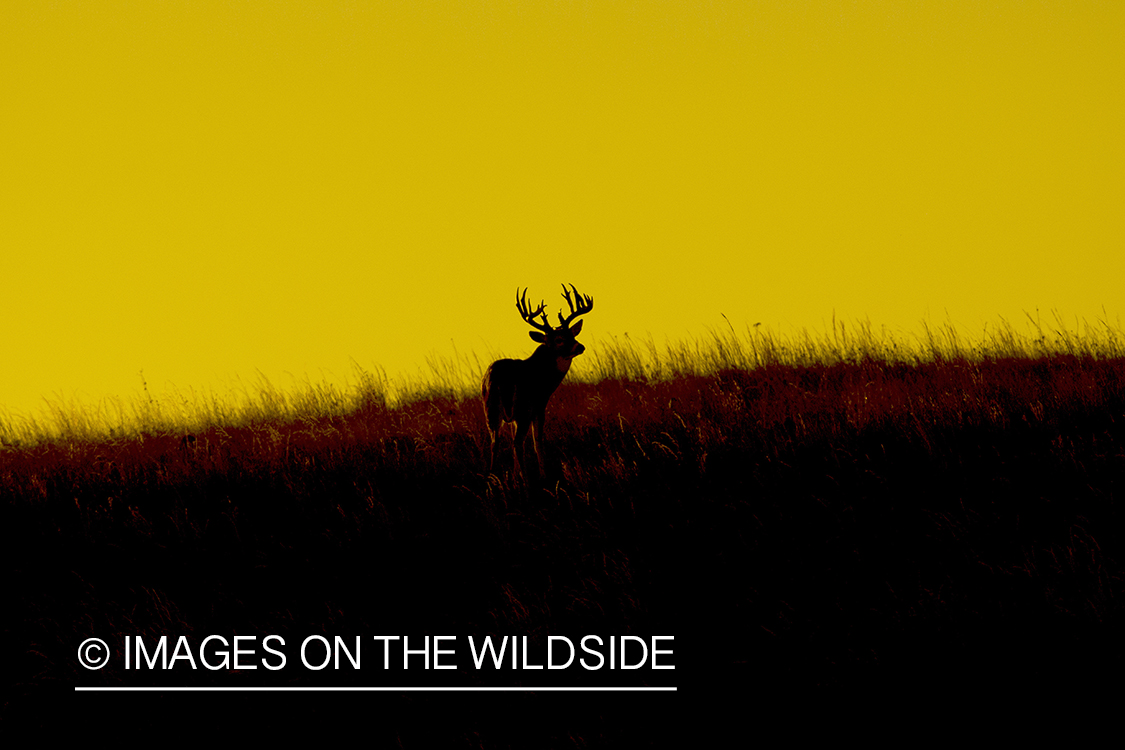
(560, 340)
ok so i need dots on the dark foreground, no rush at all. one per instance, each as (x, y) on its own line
(863, 527)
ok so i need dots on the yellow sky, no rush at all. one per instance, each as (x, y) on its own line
(201, 190)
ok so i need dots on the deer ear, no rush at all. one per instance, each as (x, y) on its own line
(576, 328)
(537, 337)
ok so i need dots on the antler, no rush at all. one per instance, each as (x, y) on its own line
(584, 305)
(529, 317)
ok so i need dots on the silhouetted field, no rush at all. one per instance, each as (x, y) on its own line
(874, 523)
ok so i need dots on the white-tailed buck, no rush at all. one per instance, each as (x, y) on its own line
(517, 390)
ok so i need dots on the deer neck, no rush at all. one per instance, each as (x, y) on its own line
(547, 362)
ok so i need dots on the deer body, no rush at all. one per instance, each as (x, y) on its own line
(517, 390)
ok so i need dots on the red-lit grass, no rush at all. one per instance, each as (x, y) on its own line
(862, 518)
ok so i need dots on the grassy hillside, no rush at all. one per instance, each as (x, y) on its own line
(849, 511)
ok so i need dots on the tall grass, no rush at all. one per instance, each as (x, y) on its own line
(182, 412)
(756, 347)
(812, 509)
(610, 358)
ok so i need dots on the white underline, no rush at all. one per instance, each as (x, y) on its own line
(371, 689)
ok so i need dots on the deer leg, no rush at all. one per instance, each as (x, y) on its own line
(537, 440)
(491, 450)
(522, 426)
(492, 414)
